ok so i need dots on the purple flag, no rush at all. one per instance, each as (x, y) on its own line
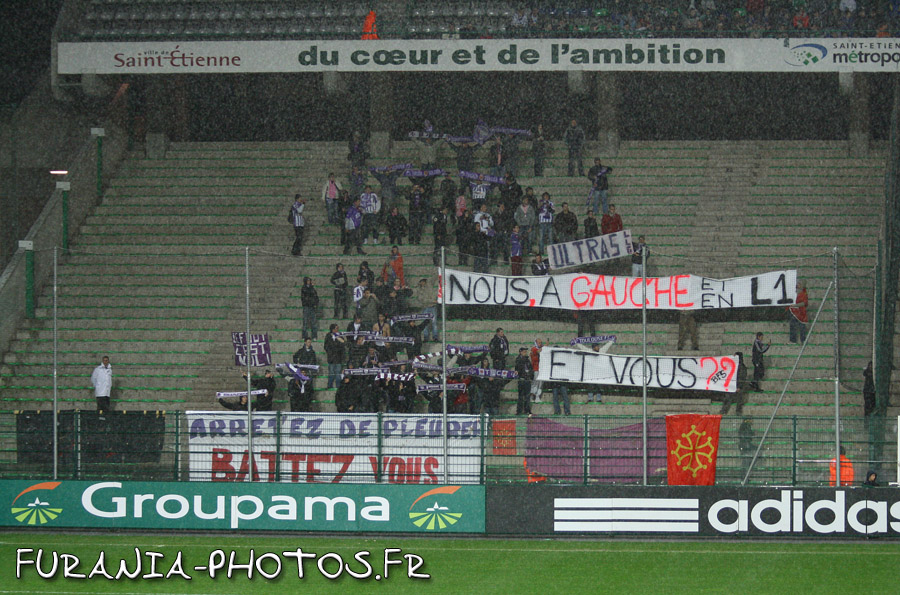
(555, 449)
(260, 352)
(617, 453)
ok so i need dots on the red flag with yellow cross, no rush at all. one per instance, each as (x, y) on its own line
(692, 447)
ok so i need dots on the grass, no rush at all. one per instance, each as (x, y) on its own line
(466, 565)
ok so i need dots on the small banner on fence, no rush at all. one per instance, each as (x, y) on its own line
(692, 447)
(679, 373)
(590, 250)
(580, 291)
(504, 434)
(260, 352)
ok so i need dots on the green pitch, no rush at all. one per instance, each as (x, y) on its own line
(453, 565)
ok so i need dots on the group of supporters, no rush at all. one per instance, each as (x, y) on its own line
(488, 216)
(492, 220)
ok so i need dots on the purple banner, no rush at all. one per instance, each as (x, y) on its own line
(554, 449)
(373, 336)
(403, 362)
(418, 173)
(399, 166)
(510, 131)
(408, 317)
(424, 135)
(241, 393)
(589, 340)
(295, 370)
(362, 371)
(451, 349)
(616, 455)
(428, 367)
(407, 377)
(450, 386)
(260, 352)
(491, 372)
(477, 177)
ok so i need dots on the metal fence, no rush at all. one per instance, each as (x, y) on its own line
(294, 448)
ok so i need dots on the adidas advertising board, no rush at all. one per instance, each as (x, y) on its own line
(691, 511)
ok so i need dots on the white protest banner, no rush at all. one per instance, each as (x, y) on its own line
(333, 448)
(580, 291)
(598, 249)
(680, 373)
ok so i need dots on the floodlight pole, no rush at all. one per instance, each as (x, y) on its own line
(250, 457)
(445, 440)
(55, 370)
(837, 375)
(644, 371)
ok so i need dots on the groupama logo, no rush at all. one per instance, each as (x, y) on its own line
(806, 54)
(435, 516)
(39, 511)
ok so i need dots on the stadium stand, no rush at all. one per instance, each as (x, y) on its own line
(156, 278)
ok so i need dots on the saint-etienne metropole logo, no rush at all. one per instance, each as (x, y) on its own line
(435, 516)
(806, 54)
(39, 511)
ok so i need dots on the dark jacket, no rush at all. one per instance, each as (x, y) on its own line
(523, 368)
(334, 350)
(396, 225)
(305, 356)
(591, 227)
(566, 223)
(439, 223)
(309, 298)
(300, 395)
(499, 346)
(263, 402)
(339, 280)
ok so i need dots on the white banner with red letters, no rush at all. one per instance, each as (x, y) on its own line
(333, 448)
(717, 373)
(581, 291)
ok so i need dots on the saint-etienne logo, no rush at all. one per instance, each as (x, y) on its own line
(38, 512)
(435, 516)
(806, 54)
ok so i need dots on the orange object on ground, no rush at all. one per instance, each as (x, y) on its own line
(533, 476)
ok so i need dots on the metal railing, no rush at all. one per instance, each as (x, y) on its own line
(314, 448)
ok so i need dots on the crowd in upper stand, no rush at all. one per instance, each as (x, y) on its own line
(659, 18)
(302, 19)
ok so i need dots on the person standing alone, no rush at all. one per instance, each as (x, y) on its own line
(101, 379)
(297, 220)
